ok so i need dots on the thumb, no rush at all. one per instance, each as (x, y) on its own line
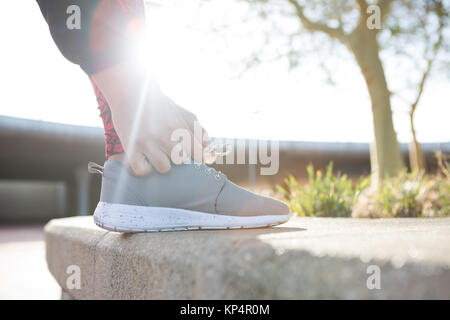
(139, 164)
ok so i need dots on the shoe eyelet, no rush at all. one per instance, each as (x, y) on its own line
(217, 177)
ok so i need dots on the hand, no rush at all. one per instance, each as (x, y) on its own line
(145, 118)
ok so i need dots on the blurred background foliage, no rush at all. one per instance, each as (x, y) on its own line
(326, 194)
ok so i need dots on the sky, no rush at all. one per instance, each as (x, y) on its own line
(198, 70)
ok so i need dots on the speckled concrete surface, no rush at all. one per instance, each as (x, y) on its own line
(302, 259)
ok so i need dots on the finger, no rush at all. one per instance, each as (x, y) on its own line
(182, 146)
(182, 134)
(157, 158)
(139, 164)
(206, 140)
(196, 139)
(193, 146)
(200, 134)
(194, 125)
(188, 116)
(197, 150)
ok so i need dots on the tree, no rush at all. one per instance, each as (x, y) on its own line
(375, 27)
(430, 23)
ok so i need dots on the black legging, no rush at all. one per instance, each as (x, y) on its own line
(107, 30)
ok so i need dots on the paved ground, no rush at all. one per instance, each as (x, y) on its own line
(23, 269)
(304, 258)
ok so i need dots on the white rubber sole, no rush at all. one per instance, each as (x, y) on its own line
(130, 218)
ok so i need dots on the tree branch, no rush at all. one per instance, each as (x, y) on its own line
(336, 33)
(435, 50)
(385, 8)
(362, 6)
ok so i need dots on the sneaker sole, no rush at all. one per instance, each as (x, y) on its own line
(130, 218)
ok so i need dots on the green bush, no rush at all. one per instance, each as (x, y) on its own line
(399, 196)
(413, 194)
(325, 195)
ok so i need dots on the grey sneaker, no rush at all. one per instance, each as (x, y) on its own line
(188, 197)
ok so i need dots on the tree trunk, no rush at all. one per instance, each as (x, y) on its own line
(387, 159)
(416, 158)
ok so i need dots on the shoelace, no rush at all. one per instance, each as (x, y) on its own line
(218, 149)
(215, 149)
(210, 170)
(96, 168)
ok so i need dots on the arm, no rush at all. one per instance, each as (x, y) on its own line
(102, 43)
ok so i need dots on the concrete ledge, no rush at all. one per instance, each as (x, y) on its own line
(306, 258)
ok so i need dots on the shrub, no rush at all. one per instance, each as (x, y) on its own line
(413, 194)
(325, 195)
(406, 195)
(398, 196)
